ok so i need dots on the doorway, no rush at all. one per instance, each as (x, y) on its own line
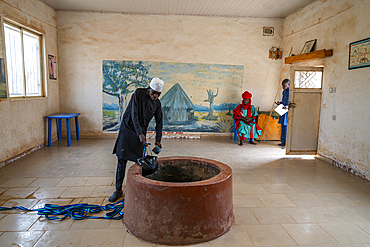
(304, 110)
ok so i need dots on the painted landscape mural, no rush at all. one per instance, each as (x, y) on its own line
(195, 97)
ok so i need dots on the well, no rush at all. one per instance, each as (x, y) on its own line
(187, 200)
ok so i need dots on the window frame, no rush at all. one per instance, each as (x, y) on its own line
(42, 61)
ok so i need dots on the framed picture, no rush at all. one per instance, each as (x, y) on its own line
(308, 46)
(359, 54)
(52, 67)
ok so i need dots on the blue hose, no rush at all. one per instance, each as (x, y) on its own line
(76, 211)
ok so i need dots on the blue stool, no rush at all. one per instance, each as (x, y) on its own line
(59, 117)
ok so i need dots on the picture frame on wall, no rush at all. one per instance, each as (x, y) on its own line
(308, 46)
(359, 54)
(52, 64)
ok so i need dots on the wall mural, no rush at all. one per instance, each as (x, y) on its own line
(195, 97)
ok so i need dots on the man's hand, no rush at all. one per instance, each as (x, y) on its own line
(158, 144)
(246, 119)
(142, 139)
(277, 102)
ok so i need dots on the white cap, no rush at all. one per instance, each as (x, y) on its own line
(156, 84)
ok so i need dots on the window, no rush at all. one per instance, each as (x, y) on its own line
(307, 79)
(23, 60)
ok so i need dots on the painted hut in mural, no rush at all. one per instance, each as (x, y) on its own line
(177, 108)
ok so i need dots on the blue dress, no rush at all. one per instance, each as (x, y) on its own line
(283, 120)
(249, 130)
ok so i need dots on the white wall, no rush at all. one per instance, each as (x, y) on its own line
(22, 123)
(335, 24)
(87, 38)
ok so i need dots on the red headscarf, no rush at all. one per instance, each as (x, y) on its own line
(247, 95)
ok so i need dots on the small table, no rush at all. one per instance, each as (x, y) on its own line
(59, 117)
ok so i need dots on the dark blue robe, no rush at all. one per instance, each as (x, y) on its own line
(135, 121)
(283, 119)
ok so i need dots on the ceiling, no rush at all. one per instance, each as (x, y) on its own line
(220, 8)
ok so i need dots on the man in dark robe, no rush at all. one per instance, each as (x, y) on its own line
(144, 104)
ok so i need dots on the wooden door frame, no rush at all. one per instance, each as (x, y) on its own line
(292, 90)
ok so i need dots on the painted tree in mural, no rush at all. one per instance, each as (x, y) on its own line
(211, 98)
(120, 78)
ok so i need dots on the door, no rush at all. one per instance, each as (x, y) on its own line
(304, 110)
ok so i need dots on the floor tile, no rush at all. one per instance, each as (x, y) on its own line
(88, 166)
(255, 179)
(72, 192)
(332, 187)
(17, 182)
(339, 214)
(73, 181)
(304, 187)
(45, 182)
(250, 189)
(18, 192)
(103, 237)
(100, 181)
(24, 239)
(70, 238)
(361, 199)
(90, 224)
(131, 241)
(328, 179)
(305, 200)
(276, 200)
(364, 211)
(88, 200)
(43, 224)
(18, 222)
(363, 187)
(247, 201)
(306, 214)
(333, 199)
(278, 188)
(364, 226)
(236, 237)
(309, 234)
(103, 191)
(49, 192)
(61, 202)
(272, 216)
(269, 235)
(117, 224)
(346, 233)
(244, 216)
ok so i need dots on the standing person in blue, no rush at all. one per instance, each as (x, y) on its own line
(283, 119)
(143, 105)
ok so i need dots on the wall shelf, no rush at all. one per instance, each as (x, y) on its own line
(308, 56)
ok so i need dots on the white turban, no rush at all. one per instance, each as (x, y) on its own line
(156, 84)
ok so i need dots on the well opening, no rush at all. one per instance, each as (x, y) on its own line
(183, 171)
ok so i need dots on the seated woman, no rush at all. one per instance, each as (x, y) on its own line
(245, 115)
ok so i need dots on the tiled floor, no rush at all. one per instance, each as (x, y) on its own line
(278, 200)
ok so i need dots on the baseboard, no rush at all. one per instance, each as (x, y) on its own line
(345, 166)
(323, 158)
(17, 157)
